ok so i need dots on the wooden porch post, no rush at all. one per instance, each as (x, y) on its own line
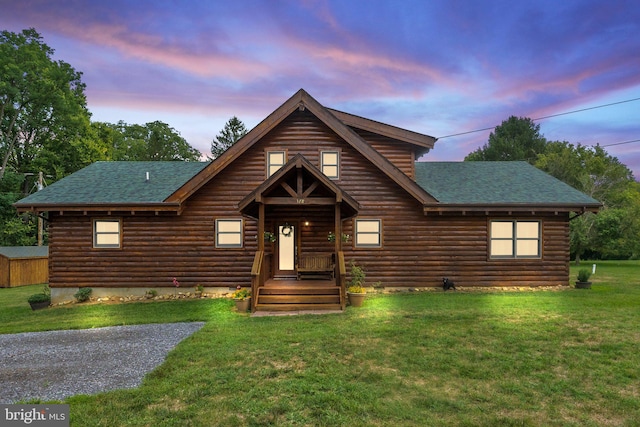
(261, 227)
(338, 227)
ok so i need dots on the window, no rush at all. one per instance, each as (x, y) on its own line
(106, 233)
(228, 233)
(330, 164)
(515, 239)
(275, 160)
(368, 233)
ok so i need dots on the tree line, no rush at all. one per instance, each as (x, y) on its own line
(613, 233)
(46, 130)
(46, 127)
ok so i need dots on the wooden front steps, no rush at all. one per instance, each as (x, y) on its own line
(293, 295)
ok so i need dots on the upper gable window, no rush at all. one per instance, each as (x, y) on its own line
(330, 164)
(106, 233)
(275, 160)
(515, 239)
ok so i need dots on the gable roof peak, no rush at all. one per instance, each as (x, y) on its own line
(301, 99)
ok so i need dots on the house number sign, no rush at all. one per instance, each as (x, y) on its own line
(301, 201)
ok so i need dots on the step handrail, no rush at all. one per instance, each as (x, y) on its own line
(341, 278)
(257, 279)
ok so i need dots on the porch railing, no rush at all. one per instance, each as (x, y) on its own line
(257, 277)
(341, 278)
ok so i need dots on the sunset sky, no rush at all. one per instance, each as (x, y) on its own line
(434, 67)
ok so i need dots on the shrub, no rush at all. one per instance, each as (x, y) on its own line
(83, 294)
(583, 275)
(36, 298)
(44, 296)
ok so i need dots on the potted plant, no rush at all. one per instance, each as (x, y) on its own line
(583, 279)
(242, 297)
(355, 288)
(40, 300)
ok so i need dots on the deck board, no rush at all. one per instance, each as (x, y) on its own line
(293, 283)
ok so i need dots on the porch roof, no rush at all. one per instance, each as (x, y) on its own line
(311, 188)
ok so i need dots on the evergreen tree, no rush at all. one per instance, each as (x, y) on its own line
(233, 130)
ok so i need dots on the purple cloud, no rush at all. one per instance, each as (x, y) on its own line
(435, 67)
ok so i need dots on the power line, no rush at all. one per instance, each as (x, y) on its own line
(621, 143)
(554, 115)
(587, 109)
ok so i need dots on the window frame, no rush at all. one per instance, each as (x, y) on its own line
(218, 233)
(514, 239)
(268, 163)
(97, 234)
(336, 165)
(357, 233)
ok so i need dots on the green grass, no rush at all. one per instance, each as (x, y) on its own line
(17, 316)
(549, 358)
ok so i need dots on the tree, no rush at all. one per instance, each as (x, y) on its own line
(233, 130)
(14, 230)
(152, 141)
(43, 113)
(615, 231)
(517, 138)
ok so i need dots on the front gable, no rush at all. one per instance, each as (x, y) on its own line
(302, 101)
(298, 183)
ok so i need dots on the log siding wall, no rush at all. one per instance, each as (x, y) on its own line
(417, 250)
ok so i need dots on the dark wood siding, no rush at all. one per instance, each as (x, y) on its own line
(417, 250)
(398, 153)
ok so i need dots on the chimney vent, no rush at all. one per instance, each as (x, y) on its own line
(147, 178)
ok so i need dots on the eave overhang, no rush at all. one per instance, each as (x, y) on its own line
(423, 142)
(508, 209)
(101, 207)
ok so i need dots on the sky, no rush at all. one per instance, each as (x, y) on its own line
(437, 67)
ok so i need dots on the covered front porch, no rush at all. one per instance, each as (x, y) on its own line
(299, 264)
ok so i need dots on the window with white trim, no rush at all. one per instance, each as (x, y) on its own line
(106, 233)
(515, 239)
(275, 160)
(330, 164)
(368, 233)
(229, 233)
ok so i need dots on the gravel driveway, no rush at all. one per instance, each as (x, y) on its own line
(59, 364)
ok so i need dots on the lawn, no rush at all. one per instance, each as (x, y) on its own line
(547, 358)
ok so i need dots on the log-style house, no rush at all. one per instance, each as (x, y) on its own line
(287, 208)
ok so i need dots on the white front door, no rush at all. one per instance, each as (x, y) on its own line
(286, 265)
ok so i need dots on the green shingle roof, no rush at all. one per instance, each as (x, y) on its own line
(117, 183)
(13, 252)
(472, 183)
(495, 183)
